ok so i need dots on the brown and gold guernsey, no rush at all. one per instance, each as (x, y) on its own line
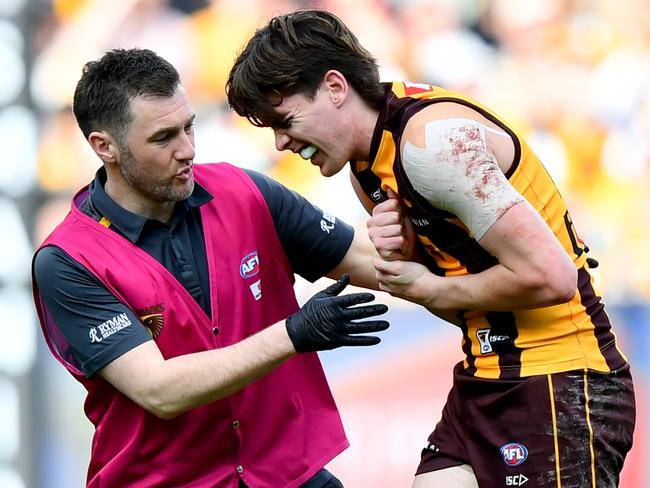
(573, 335)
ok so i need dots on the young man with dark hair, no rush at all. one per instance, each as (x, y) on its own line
(468, 223)
(167, 291)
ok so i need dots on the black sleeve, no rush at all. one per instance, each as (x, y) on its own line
(314, 241)
(81, 306)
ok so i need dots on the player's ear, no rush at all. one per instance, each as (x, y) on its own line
(104, 145)
(336, 85)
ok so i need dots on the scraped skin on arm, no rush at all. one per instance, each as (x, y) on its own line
(455, 171)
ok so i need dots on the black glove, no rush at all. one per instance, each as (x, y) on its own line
(325, 321)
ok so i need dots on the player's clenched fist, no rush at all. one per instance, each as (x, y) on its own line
(391, 233)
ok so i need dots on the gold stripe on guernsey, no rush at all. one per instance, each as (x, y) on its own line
(591, 433)
(398, 89)
(577, 350)
(554, 421)
(105, 222)
(383, 163)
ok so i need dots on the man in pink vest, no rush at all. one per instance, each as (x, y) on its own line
(167, 291)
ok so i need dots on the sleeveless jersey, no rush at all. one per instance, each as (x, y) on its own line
(572, 335)
(279, 430)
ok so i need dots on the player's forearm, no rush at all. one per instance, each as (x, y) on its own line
(495, 289)
(189, 381)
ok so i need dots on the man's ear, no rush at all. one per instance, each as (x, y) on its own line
(337, 86)
(104, 145)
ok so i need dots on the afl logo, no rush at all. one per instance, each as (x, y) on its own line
(250, 265)
(513, 453)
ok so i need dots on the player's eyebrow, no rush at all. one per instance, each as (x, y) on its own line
(283, 121)
(276, 120)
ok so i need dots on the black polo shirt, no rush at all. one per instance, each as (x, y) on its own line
(313, 242)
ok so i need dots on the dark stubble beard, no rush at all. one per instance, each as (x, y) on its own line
(147, 183)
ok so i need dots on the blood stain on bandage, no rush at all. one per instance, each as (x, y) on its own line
(459, 147)
(472, 132)
(480, 194)
(460, 143)
(467, 143)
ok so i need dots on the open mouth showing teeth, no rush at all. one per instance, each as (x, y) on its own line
(308, 152)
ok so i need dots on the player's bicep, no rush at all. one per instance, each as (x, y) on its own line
(449, 163)
(522, 241)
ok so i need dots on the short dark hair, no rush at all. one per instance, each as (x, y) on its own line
(290, 55)
(102, 98)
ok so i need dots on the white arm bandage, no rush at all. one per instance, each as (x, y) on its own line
(457, 172)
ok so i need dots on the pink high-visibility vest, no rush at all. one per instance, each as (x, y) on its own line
(278, 431)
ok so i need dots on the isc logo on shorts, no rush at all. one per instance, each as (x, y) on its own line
(513, 453)
(516, 480)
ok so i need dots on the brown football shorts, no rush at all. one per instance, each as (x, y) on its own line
(570, 429)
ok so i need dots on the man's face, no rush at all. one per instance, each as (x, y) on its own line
(307, 125)
(157, 159)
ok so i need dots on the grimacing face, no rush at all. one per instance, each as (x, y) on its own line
(157, 155)
(308, 125)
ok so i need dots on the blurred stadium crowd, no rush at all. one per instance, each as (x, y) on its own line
(573, 75)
